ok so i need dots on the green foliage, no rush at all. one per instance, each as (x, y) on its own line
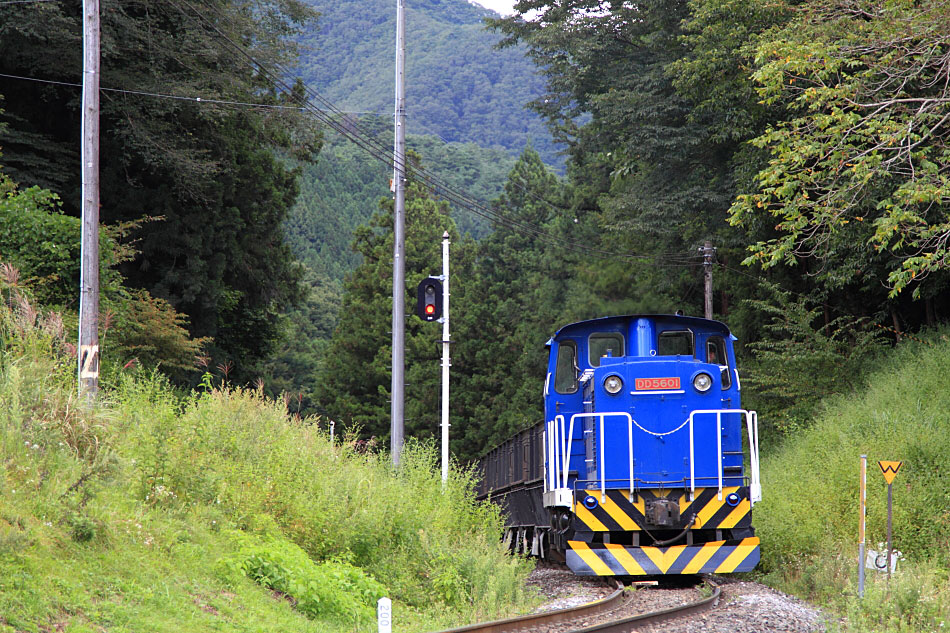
(238, 454)
(39, 247)
(355, 378)
(810, 482)
(207, 173)
(513, 305)
(860, 162)
(118, 516)
(43, 243)
(331, 589)
(798, 363)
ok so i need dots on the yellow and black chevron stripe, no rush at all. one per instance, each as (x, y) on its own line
(606, 559)
(617, 514)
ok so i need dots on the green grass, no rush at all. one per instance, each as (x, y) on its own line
(808, 520)
(216, 511)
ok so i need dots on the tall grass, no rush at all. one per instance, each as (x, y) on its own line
(808, 520)
(158, 510)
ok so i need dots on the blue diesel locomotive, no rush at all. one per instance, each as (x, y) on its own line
(639, 468)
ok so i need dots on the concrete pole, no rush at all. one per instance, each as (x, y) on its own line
(446, 363)
(89, 268)
(398, 391)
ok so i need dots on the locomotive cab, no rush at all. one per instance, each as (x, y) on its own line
(644, 460)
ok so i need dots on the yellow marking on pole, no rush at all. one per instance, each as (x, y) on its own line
(589, 519)
(862, 496)
(702, 557)
(664, 560)
(736, 515)
(739, 554)
(618, 515)
(890, 470)
(627, 561)
(593, 560)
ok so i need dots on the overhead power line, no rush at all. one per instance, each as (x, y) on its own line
(342, 122)
(356, 133)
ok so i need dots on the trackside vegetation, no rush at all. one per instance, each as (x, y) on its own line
(216, 511)
(808, 520)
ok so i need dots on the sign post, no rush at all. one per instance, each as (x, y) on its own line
(890, 470)
(863, 494)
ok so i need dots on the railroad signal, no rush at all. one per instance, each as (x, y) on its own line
(429, 299)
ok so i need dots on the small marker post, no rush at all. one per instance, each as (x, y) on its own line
(384, 615)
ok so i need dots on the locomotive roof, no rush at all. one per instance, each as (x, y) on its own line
(708, 324)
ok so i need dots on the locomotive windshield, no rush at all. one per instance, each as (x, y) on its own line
(716, 353)
(604, 344)
(565, 377)
(675, 343)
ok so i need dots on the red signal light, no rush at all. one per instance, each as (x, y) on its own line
(430, 308)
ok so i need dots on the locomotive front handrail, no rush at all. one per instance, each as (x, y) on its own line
(752, 424)
(558, 445)
(567, 441)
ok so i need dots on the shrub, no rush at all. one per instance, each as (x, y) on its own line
(332, 589)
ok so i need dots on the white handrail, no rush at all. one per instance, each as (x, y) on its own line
(601, 416)
(558, 446)
(752, 424)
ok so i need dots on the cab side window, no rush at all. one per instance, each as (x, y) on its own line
(716, 354)
(675, 343)
(601, 344)
(565, 374)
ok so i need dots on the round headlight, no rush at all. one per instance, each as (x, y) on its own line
(613, 384)
(702, 382)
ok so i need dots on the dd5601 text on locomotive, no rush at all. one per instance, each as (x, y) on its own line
(639, 468)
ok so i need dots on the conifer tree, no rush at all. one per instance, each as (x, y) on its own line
(355, 380)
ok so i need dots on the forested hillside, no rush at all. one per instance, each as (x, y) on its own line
(342, 190)
(457, 86)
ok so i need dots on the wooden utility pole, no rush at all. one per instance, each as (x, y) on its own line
(708, 251)
(398, 391)
(89, 272)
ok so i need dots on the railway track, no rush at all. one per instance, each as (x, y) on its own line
(610, 615)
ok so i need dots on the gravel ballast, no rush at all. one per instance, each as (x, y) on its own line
(745, 607)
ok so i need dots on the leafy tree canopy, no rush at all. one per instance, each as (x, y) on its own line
(859, 169)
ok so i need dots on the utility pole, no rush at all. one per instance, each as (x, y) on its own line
(398, 391)
(708, 251)
(446, 363)
(89, 271)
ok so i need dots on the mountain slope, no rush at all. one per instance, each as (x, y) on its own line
(458, 86)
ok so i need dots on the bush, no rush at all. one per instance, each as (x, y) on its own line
(238, 451)
(332, 589)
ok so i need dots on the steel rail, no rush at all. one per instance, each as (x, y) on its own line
(626, 625)
(548, 617)
(611, 602)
